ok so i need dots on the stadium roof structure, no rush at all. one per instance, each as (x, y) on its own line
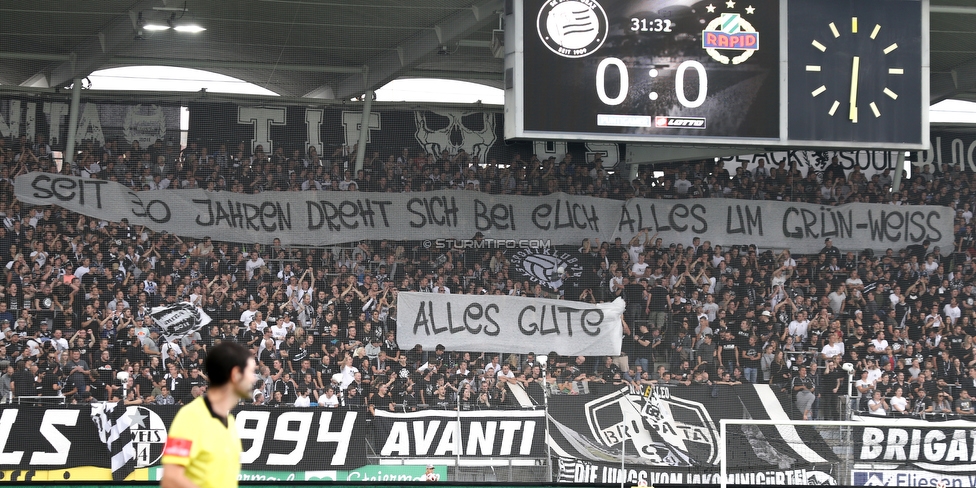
(328, 49)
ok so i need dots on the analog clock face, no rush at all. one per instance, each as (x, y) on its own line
(855, 71)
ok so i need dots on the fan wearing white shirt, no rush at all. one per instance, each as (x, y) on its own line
(279, 333)
(879, 343)
(639, 269)
(302, 400)
(952, 311)
(329, 400)
(635, 247)
(833, 348)
(799, 326)
(249, 314)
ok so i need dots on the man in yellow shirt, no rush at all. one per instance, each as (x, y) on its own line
(203, 448)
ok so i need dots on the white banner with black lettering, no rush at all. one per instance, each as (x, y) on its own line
(432, 434)
(510, 324)
(179, 319)
(579, 471)
(946, 447)
(436, 218)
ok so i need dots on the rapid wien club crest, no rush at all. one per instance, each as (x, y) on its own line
(730, 33)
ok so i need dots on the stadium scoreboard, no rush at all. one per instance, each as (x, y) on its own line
(769, 73)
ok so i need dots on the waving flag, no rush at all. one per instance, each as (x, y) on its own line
(114, 425)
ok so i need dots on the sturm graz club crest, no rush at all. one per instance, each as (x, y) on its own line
(548, 267)
(572, 28)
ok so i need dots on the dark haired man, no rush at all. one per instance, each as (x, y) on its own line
(203, 448)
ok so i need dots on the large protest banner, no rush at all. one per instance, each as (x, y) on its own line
(323, 218)
(98, 120)
(390, 129)
(948, 447)
(670, 434)
(71, 442)
(949, 149)
(511, 324)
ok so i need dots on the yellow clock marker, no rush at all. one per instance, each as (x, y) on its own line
(896, 71)
(891, 48)
(874, 33)
(820, 90)
(853, 25)
(811, 67)
(874, 108)
(819, 46)
(833, 28)
(891, 94)
(833, 108)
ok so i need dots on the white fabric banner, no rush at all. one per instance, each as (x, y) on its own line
(318, 218)
(179, 319)
(509, 324)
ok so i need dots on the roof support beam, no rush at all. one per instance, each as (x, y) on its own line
(93, 53)
(454, 75)
(409, 53)
(206, 64)
(961, 78)
(34, 56)
(952, 9)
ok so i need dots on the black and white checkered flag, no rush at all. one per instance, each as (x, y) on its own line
(567, 470)
(113, 425)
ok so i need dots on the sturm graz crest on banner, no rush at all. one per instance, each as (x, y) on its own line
(548, 266)
(179, 320)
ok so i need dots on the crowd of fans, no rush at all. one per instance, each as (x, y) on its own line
(76, 293)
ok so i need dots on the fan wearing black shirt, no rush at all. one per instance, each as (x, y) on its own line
(49, 384)
(22, 383)
(145, 382)
(105, 375)
(252, 336)
(197, 379)
(727, 351)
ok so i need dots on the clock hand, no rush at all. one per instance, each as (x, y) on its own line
(853, 113)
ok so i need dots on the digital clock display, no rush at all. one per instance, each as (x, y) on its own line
(651, 25)
(666, 68)
(818, 74)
